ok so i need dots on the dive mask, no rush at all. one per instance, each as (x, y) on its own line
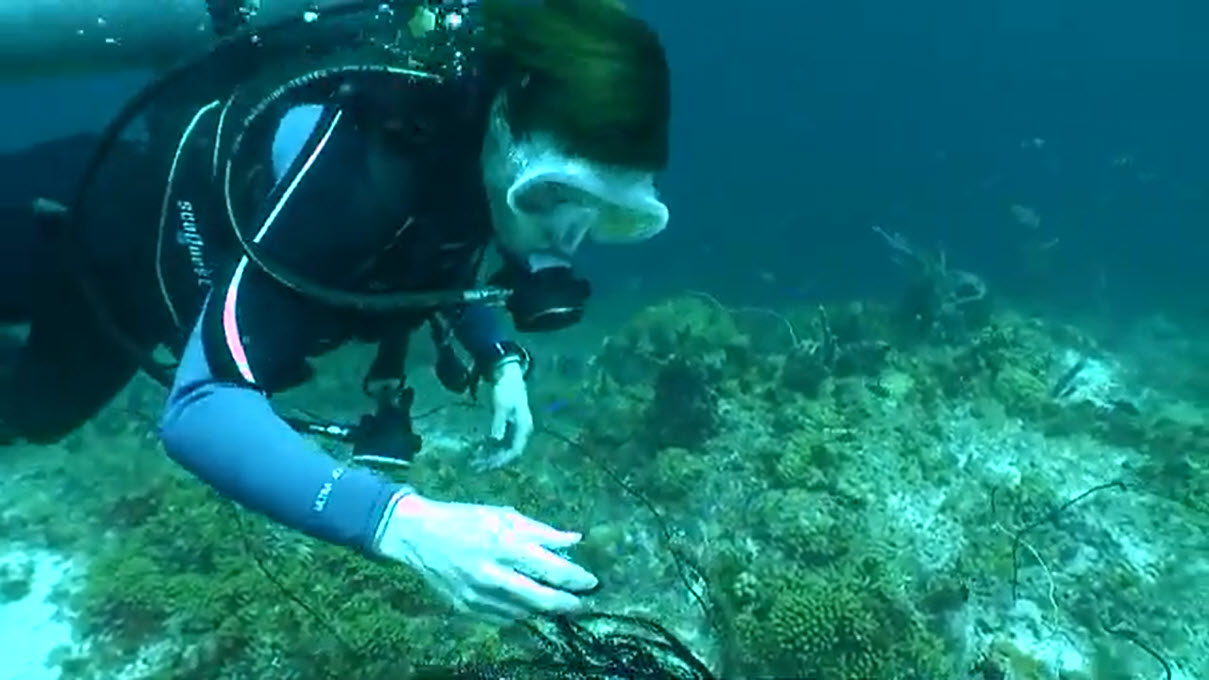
(567, 198)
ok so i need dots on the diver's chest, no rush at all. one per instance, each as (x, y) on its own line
(427, 251)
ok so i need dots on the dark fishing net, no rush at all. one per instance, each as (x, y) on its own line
(589, 647)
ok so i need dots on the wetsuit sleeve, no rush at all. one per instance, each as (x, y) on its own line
(228, 435)
(478, 329)
(253, 338)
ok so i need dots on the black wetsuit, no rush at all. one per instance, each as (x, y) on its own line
(181, 279)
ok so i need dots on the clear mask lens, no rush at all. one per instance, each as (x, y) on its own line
(567, 213)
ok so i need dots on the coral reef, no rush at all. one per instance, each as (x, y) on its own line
(937, 488)
(187, 566)
(897, 458)
(840, 623)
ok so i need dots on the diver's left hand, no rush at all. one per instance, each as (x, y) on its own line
(510, 406)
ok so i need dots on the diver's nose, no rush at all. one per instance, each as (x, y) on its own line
(572, 230)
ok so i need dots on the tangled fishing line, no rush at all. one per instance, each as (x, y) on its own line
(591, 646)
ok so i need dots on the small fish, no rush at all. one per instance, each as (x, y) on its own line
(1025, 215)
(556, 406)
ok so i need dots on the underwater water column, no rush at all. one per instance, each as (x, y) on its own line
(41, 38)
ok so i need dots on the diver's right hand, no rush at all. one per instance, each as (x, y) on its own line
(489, 561)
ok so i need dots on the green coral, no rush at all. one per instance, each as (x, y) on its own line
(828, 631)
(678, 472)
(808, 460)
(842, 623)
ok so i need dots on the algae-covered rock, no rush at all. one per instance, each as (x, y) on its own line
(809, 460)
(16, 580)
(685, 326)
(804, 371)
(187, 575)
(810, 527)
(684, 410)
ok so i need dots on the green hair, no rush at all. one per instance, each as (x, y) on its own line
(587, 72)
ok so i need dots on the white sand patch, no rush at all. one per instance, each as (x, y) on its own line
(31, 627)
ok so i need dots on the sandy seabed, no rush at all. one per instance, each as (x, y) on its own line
(33, 627)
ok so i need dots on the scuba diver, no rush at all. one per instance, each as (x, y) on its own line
(345, 178)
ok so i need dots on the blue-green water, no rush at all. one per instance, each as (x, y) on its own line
(934, 273)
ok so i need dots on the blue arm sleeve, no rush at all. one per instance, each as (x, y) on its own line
(229, 436)
(478, 330)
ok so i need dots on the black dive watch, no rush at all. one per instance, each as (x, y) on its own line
(504, 352)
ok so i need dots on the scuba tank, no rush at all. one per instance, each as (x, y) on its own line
(41, 38)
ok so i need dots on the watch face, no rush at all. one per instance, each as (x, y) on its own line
(506, 349)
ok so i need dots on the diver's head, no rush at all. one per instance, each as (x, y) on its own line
(578, 130)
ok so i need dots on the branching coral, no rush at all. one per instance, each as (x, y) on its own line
(851, 347)
(838, 624)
